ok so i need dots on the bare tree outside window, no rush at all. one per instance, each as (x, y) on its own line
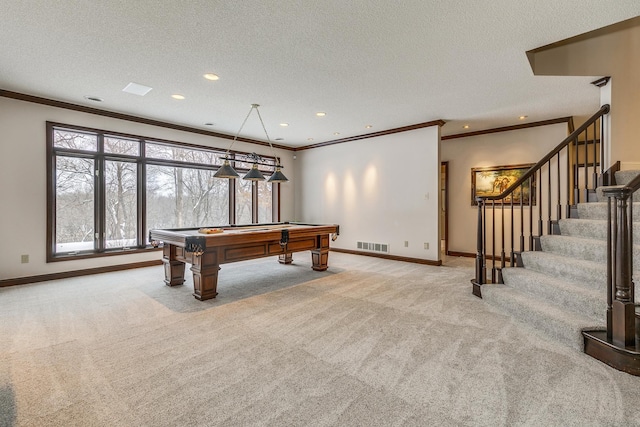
(265, 202)
(105, 187)
(74, 204)
(243, 201)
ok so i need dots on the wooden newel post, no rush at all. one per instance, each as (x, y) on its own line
(480, 264)
(623, 305)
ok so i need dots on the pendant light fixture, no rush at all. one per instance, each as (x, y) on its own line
(254, 174)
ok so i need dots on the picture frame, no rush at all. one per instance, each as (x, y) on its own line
(493, 180)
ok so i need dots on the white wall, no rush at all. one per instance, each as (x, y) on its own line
(609, 51)
(379, 190)
(496, 149)
(23, 195)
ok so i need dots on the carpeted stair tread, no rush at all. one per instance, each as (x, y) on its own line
(622, 178)
(598, 210)
(581, 248)
(590, 303)
(562, 325)
(591, 228)
(588, 274)
(626, 176)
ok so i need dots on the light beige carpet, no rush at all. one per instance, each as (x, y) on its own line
(370, 342)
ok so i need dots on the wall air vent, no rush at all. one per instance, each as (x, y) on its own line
(373, 247)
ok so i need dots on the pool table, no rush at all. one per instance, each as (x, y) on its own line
(206, 248)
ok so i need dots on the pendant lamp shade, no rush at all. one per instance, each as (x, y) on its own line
(278, 176)
(254, 174)
(226, 171)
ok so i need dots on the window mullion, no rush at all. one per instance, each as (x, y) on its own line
(100, 194)
(232, 201)
(254, 202)
(142, 197)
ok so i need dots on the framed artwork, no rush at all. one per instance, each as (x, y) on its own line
(493, 180)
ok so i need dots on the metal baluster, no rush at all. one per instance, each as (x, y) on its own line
(576, 187)
(502, 239)
(522, 217)
(595, 170)
(532, 193)
(484, 241)
(610, 267)
(586, 164)
(548, 197)
(480, 274)
(493, 241)
(559, 198)
(540, 224)
(512, 255)
(568, 208)
(602, 165)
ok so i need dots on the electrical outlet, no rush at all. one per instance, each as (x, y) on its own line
(406, 243)
(24, 259)
(426, 245)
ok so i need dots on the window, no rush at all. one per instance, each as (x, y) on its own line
(107, 190)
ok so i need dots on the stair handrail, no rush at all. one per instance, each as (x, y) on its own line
(573, 136)
(533, 176)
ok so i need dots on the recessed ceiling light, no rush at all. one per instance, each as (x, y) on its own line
(93, 98)
(321, 114)
(523, 117)
(177, 96)
(465, 127)
(284, 125)
(368, 127)
(309, 139)
(211, 76)
(336, 133)
(136, 89)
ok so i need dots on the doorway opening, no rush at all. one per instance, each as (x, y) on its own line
(444, 202)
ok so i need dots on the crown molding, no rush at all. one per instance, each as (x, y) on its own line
(129, 117)
(373, 134)
(567, 120)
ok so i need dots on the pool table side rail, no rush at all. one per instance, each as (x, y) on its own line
(188, 236)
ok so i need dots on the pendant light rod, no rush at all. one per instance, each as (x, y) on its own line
(227, 171)
(240, 130)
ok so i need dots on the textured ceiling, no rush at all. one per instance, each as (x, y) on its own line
(386, 64)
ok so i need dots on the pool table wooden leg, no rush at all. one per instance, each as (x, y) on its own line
(205, 275)
(285, 258)
(320, 255)
(173, 268)
(320, 259)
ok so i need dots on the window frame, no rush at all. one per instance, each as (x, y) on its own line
(100, 157)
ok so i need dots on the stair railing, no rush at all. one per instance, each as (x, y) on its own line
(568, 174)
(621, 318)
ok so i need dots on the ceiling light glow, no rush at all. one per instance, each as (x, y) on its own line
(523, 117)
(465, 127)
(177, 96)
(321, 114)
(211, 76)
(284, 125)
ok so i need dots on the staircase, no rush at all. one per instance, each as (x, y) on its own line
(561, 290)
